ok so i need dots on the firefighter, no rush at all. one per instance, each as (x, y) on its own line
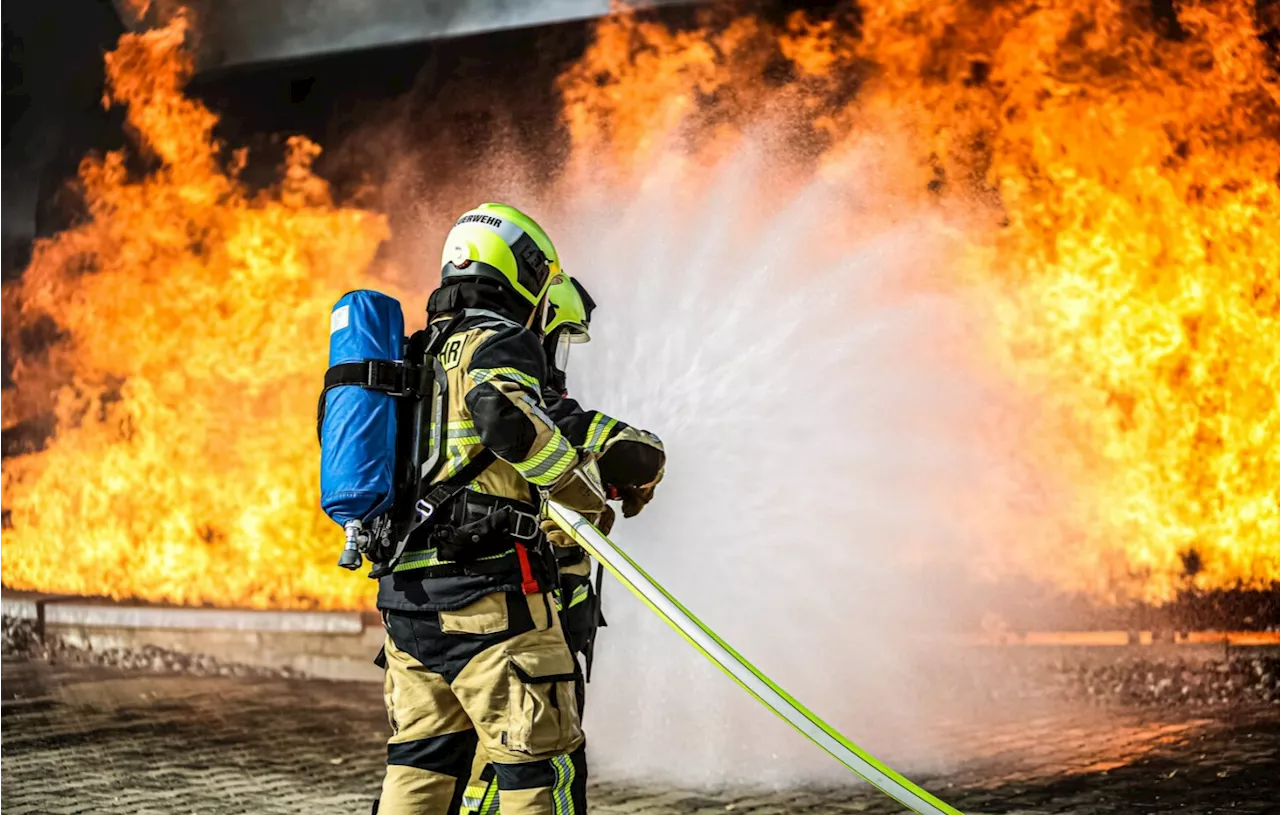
(634, 461)
(475, 655)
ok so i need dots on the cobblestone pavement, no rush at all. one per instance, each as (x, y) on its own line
(94, 740)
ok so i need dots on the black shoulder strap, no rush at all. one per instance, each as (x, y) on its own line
(439, 496)
(443, 492)
(427, 507)
(442, 331)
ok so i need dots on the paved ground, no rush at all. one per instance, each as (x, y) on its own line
(94, 740)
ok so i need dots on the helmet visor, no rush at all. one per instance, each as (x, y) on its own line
(563, 343)
(566, 338)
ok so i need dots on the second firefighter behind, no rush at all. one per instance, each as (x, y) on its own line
(631, 463)
(475, 655)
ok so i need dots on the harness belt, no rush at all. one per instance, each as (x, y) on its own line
(471, 507)
(478, 534)
(426, 507)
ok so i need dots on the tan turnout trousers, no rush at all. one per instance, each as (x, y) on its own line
(497, 676)
(577, 598)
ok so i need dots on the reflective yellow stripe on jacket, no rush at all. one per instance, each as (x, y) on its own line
(598, 432)
(548, 464)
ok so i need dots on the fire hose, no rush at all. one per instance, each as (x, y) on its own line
(653, 595)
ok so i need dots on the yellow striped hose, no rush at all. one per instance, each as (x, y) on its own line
(740, 670)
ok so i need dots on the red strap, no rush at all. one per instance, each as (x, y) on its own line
(528, 583)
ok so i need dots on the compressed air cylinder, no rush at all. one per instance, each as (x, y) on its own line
(358, 429)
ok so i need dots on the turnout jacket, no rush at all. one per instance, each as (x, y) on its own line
(495, 369)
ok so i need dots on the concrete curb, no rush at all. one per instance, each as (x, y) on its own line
(77, 610)
(70, 610)
(321, 644)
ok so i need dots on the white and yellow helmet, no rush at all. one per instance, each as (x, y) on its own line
(500, 243)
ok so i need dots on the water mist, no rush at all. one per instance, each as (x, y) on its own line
(819, 437)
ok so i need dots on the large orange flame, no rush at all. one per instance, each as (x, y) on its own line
(1128, 168)
(184, 467)
(1136, 275)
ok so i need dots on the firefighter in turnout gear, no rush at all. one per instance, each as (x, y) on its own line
(475, 654)
(634, 461)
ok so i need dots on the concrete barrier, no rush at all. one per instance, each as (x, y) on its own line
(325, 644)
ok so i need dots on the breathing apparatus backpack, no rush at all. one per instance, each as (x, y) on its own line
(380, 420)
(381, 424)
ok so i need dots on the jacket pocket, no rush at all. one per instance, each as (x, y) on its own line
(543, 711)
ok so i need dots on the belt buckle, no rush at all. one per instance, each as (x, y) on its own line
(527, 522)
(425, 510)
(390, 377)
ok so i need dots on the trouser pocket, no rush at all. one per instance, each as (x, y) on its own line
(543, 710)
(488, 615)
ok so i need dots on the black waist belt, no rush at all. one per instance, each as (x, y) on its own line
(475, 507)
(478, 537)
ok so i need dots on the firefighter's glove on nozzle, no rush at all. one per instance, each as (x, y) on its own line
(631, 464)
(580, 489)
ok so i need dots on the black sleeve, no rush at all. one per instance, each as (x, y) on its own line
(574, 421)
(507, 370)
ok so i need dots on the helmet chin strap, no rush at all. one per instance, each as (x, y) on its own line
(540, 310)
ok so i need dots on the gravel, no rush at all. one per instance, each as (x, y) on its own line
(1173, 681)
(1167, 680)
